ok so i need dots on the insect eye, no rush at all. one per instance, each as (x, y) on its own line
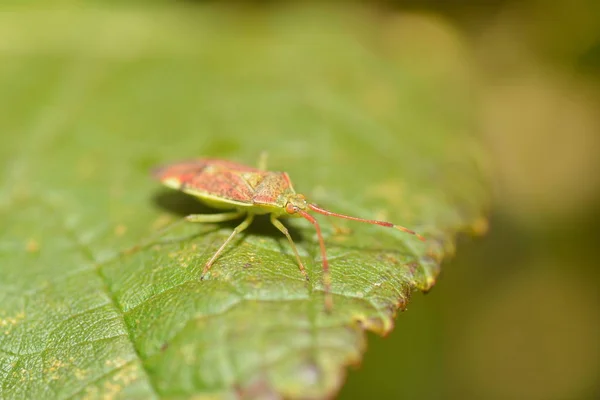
(290, 208)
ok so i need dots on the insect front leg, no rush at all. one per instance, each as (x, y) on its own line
(207, 218)
(285, 231)
(240, 228)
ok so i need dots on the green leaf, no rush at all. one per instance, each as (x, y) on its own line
(95, 96)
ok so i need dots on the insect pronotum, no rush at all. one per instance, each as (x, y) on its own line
(246, 192)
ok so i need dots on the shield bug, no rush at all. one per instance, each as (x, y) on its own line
(246, 192)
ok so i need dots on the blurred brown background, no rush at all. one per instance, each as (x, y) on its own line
(516, 314)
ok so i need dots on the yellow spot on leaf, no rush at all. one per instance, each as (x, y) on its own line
(120, 230)
(81, 374)
(10, 322)
(24, 374)
(111, 390)
(55, 365)
(127, 375)
(54, 370)
(161, 222)
(480, 226)
(32, 246)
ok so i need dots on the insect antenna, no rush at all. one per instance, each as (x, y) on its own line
(320, 210)
(326, 275)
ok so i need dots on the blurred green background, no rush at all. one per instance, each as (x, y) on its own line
(515, 315)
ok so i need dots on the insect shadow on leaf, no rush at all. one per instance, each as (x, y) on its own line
(179, 203)
(182, 205)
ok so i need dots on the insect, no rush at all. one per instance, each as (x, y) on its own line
(246, 192)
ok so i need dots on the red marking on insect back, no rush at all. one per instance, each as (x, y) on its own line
(252, 191)
(178, 170)
(273, 189)
(221, 183)
(211, 178)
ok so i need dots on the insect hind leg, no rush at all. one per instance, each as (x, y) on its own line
(240, 228)
(262, 160)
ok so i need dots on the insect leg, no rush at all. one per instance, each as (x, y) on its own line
(241, 227)
(326, 273)
(190, 218)
(207, 218)
(284, 230)
(262, 160)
